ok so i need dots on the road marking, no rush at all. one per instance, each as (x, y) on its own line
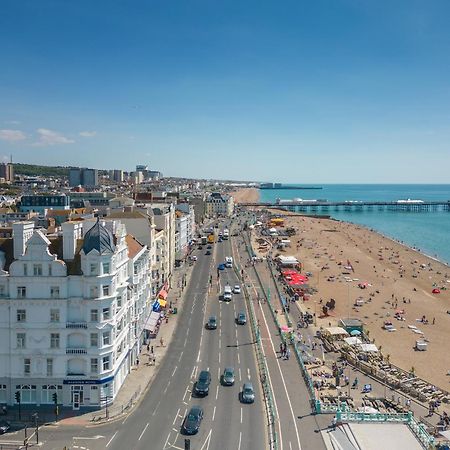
(237, 343)
(185, 392)
(219, 357)
(239, 359)
(248, 373)
(290, 445)
(217, 392)
(207, 441)
(240, 377)
(241, 414)
(214, 413)
(176, 417)
(218, 373)
(143, 431)
(194, 371)
(167, 440)
(174, 370)
(220, 342)
(240, 440)
(156, 408)
(181, 355)
(113, 436)
(98, 436)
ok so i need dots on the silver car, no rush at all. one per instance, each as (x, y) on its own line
(247, 394)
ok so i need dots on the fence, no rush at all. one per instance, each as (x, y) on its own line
(111, 411)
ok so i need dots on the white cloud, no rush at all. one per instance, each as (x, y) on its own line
(49, 137)
(87, 134)
(13, 122)
(12, 135)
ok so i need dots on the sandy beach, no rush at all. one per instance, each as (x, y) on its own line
(399, 279)
(246, 195)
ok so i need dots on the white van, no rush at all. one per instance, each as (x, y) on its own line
(228, 262)
(227, 293)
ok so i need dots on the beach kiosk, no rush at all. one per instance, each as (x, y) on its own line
(351, 326)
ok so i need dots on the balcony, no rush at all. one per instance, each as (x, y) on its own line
(76, 325)
(76, 351)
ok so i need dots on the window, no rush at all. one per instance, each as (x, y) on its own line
(27, 366)
(106, 313)
(54, 315)
(94, 340)
(54, 340)
(94, 270)
(54, 292)
(119, 302)
(106, 362)
(94, 365)
(49, 367)
(27, 393)
(105, 291)
(37, 270)
(106, 338)
(21, 340)
(50, 270)
(21, 315)
(21, 292)
(47, 393)
(2, 290)
(94, 292)
(106, 267)
(25, 270)
(94, 315)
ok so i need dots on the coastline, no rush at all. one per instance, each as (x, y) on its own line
(399, 278)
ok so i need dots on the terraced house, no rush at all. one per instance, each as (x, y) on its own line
(72, 311)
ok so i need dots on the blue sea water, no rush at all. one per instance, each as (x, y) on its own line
(428, 231)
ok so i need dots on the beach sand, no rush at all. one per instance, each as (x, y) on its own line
(247, 195)
(399, 279)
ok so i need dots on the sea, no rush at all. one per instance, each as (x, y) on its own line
(428, 232)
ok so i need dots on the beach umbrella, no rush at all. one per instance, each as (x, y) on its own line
(355, 333)
(436, 291)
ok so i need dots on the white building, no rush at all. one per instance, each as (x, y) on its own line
(72, 310)
(218, 204)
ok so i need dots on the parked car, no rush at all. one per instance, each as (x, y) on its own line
(247, 394)
(192, 421)
(221, 267)
(209, 247)
(202, 384)
(228, 376)
(241, 318)
(208, 252)
(4, 427)
(212, 323)
(194, 257)
(237, 289)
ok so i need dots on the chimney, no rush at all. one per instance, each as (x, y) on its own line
(71, 232)
(22, 232)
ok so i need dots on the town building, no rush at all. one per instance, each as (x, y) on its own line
(41, 203)
(218, 204)
(83, 177)
(7, 172)
(72, 312)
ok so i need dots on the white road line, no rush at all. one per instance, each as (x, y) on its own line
(109, 442)
(185, 392)
(237, 342)
(143, 431)
(217, 392)
(167, 440)
(220, 342)
(240, 440)
(240, 376)
(219, 357)
(156, 408)
(218, 373)
(248, 373)
(181, 355)
(194, 371)
(284, 386)
(214, 413)
(174, 370)
(241, 414)
(239, 358)
(176, 417)
(290, 445)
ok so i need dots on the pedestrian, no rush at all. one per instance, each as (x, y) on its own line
(137, 361)
(288, 353)
(161, 341)
(281, 348)
(151, 350)
(333, 423)
(148, 347)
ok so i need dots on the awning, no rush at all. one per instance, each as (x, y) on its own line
(162, 294)
(162, 302)
(152, 321)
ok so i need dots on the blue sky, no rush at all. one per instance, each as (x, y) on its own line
(295, 91)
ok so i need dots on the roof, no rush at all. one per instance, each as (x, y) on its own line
(98, 238)
(127, 215)
(134, 246)
(336, 331)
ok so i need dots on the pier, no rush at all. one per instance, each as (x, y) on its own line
(316, 206)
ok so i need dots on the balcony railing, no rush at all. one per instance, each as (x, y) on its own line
(76, 325)
(76, 351)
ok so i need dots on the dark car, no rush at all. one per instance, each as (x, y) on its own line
(203, 382)
(221, 267)
(209, 247)
(208, 252)
(212, 323)
(192, 421)
(228, 376)
(4, 426)
(241, 318)
(247, 394)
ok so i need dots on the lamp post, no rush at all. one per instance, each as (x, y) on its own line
(36, 417)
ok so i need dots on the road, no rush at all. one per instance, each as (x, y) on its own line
(156, 422)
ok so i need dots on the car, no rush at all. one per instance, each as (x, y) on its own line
(194, 257)
(237, 289)
(209, 247)
(4, 427)
(227, 293)
(241, 319)
(192, 421)
(200, 247)
(228, 376)
(202, 384)
(207, 253)
(221, 267)
(212, 323)
(247, 394)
